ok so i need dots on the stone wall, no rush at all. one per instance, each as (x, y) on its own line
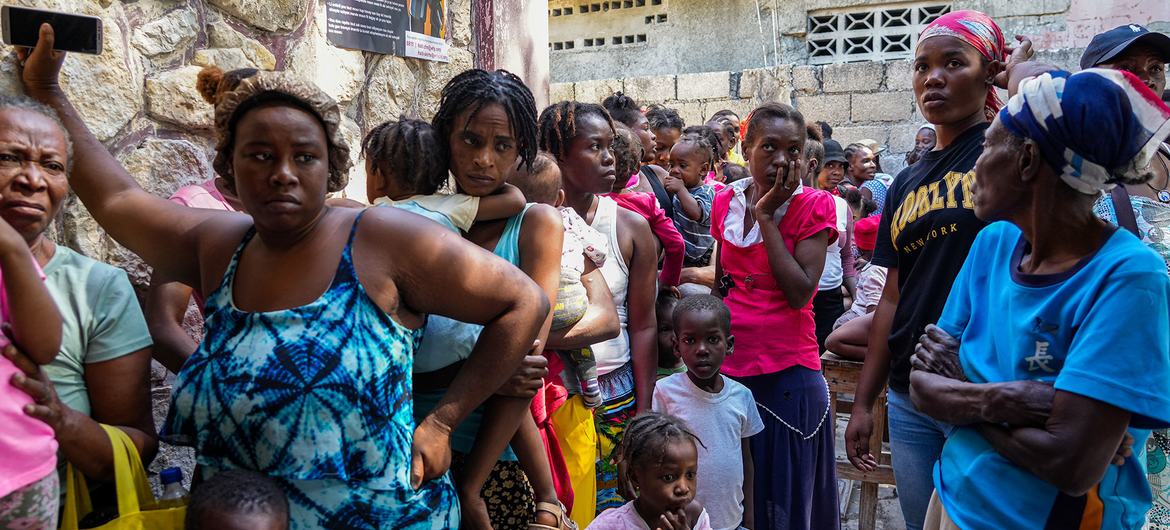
(139, 97)
(860, 100)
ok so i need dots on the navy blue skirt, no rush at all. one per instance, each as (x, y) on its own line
(796, 477)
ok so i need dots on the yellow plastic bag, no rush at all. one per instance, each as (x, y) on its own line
(137, 507)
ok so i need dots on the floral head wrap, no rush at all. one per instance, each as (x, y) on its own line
(978, 30)
(1094, 127)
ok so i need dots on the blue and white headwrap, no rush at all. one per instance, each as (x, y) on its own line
(1093, 126)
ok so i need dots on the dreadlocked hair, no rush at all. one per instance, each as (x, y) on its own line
(661, 117)
(622, 108)
(410, 151)
(648, 434)
(627, 151)
(474, 89)
(558, 124)
(771, 110)
(706, 138)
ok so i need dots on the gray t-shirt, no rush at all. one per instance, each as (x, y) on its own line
(101, 316)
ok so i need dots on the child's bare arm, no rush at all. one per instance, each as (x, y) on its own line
(505, 203)
(33, 317)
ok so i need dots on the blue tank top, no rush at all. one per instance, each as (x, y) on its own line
(320, 391)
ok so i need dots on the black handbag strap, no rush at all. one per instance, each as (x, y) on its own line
(664, 200)
(1123, 209)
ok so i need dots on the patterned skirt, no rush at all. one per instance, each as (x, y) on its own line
(507, 493)
(617, 408)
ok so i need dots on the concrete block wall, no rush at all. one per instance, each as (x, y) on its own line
(860, 100)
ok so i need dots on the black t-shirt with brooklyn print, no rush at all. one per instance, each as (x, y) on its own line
(927, 228)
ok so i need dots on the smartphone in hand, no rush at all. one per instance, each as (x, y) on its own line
(74, 33)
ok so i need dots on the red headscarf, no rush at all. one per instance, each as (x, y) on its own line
(978, 30)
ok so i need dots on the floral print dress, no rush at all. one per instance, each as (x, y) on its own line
(1153, 223)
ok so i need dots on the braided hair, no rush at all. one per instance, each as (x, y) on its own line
(622, 108)
(558, 124)
(706, 139)
(627, 151)
(648, 434)
(664, 118)
(474, 89)
(411, 151)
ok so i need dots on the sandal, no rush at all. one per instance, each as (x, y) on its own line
(556, 510)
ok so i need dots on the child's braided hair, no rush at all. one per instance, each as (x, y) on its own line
(627, 151)
(648, 434)
(558, 124)
(409, 150)
(478, 88)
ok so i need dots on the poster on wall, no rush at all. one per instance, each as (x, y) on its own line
(408, 28)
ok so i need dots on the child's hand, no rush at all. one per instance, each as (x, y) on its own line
(673, 185)
(781, 190)
(673, 520)
(10, 239)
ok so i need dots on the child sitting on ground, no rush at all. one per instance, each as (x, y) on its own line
(238, 500)
(690, 160)
(406, 165)
(28, 448)
(627, 153)
(660, 457)
(720, 408)
(668, 361)
(543, 185)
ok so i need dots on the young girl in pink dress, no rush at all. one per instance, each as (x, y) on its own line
(772, 236)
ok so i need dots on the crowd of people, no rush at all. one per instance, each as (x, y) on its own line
(599, 316)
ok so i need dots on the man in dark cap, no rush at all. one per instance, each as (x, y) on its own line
(1132, 48)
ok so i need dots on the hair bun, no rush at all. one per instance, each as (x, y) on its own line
(208, 83)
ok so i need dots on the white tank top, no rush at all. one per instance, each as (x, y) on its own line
(834, 270)
(613, 353)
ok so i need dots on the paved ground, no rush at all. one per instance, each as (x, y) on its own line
(889, 515)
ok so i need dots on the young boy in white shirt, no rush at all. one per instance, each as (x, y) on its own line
(719, 410)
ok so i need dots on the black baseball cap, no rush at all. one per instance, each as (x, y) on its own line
(834, 153)
(1105, 46)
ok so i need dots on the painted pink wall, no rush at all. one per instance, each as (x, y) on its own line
(1086, 18)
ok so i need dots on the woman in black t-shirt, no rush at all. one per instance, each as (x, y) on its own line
(926, 230)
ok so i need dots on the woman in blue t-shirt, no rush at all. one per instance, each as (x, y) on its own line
(1051, 314)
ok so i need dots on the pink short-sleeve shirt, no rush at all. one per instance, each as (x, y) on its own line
(770, 336)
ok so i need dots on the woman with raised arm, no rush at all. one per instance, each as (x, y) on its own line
(304, 371)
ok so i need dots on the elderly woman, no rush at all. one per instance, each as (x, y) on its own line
(1049, 376)
(304, 371)
(102, 373)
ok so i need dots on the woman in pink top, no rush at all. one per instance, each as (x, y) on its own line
(773, 234)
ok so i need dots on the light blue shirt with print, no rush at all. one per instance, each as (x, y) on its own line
(1098, 330)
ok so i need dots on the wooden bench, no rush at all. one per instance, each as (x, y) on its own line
(843, 376)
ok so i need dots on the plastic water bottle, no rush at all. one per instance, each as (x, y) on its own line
(174, 495)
